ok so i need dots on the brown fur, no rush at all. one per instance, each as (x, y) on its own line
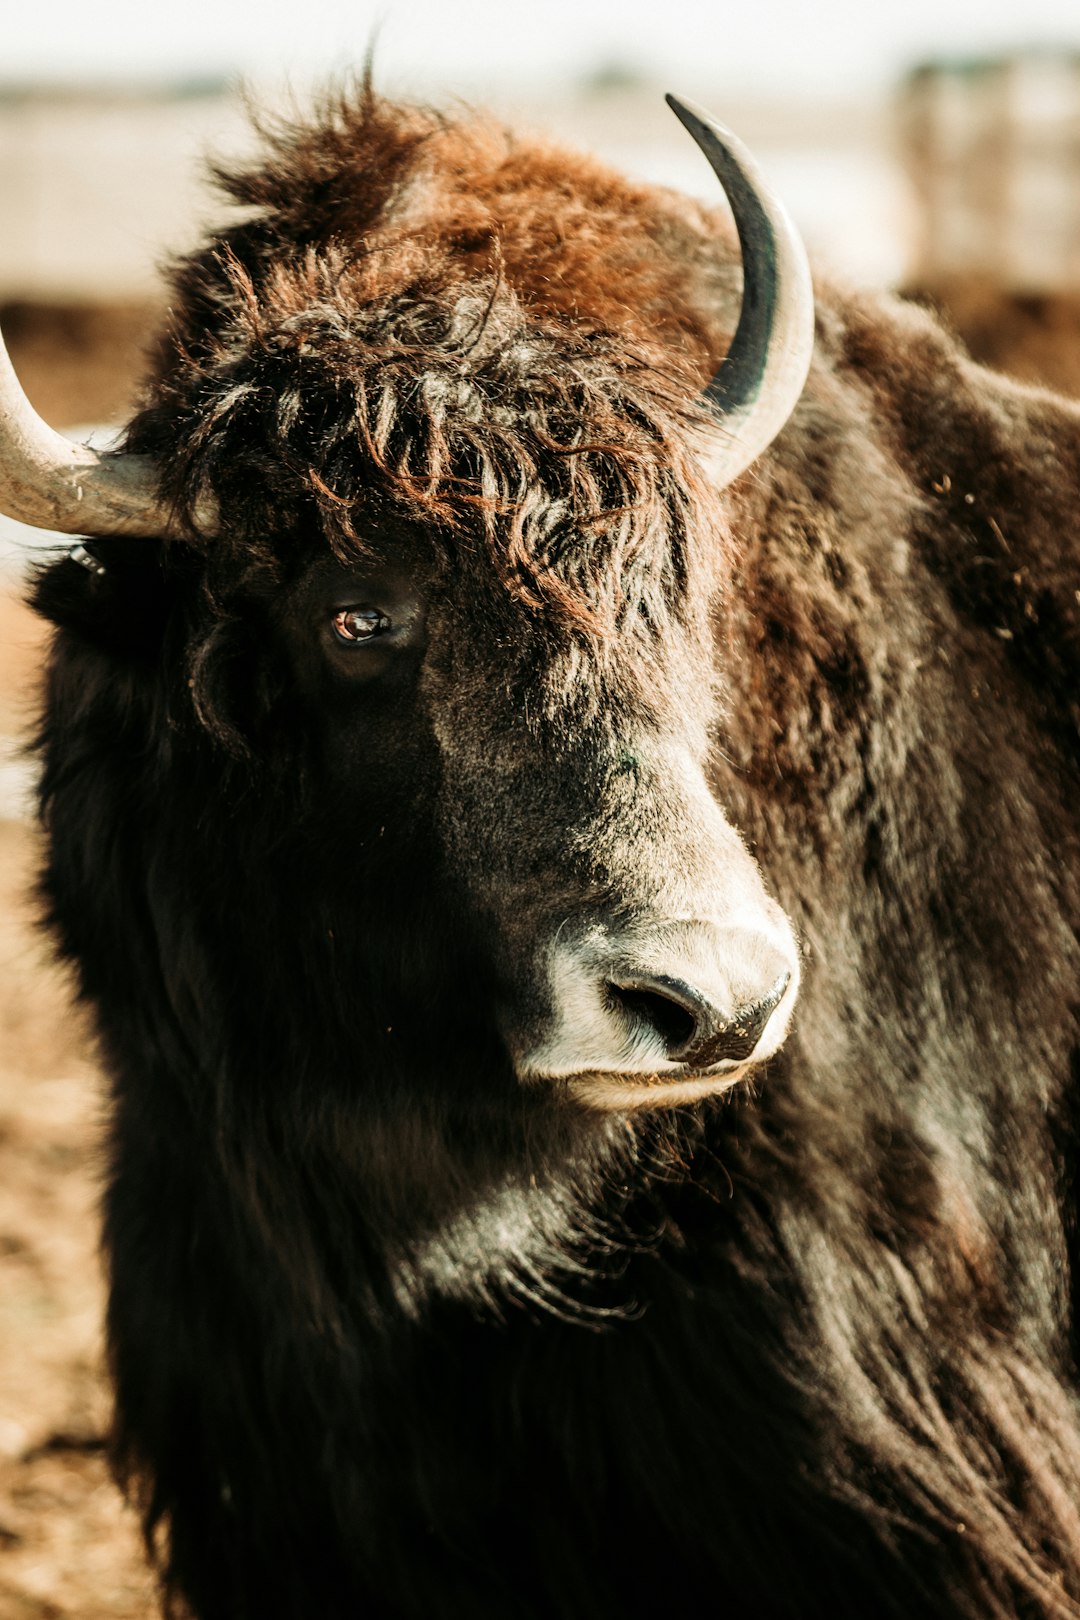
(560, 369)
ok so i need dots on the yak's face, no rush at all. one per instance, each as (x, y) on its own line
(545, 789)
(455, 566)
(497, 715)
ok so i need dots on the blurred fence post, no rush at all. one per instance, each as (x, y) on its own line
(992, 151)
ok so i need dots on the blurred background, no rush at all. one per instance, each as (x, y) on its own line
(932, 147)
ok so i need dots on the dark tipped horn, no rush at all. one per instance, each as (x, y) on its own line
(762, 375)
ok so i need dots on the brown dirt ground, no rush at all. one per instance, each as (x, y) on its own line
(68, 1545)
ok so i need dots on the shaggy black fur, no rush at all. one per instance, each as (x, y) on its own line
(392, 1335)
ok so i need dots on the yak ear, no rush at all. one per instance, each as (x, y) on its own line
(112, 594)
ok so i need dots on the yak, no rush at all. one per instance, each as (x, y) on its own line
(566, 820)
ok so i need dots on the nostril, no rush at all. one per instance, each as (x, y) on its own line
(693, 1030)
(672, 1020)
(736, 1040)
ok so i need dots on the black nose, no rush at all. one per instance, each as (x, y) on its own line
(693, 1030)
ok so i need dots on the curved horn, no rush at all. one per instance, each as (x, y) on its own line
(47, 481)
(763, 373)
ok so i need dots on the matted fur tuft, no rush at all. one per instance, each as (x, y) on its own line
(387, 333)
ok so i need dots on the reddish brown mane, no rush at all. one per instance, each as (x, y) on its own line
(620, 257)
(406, 265)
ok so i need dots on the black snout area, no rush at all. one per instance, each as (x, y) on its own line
(692, 1029)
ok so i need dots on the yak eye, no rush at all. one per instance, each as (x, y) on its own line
(354, 624)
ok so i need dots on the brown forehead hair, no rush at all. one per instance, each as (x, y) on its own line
(422, 315)
(575, 237)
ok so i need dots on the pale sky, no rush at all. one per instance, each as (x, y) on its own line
(472, 45)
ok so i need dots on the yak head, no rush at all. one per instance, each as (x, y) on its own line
(392, 657)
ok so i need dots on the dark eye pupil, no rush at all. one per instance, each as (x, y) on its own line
(360, 623)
